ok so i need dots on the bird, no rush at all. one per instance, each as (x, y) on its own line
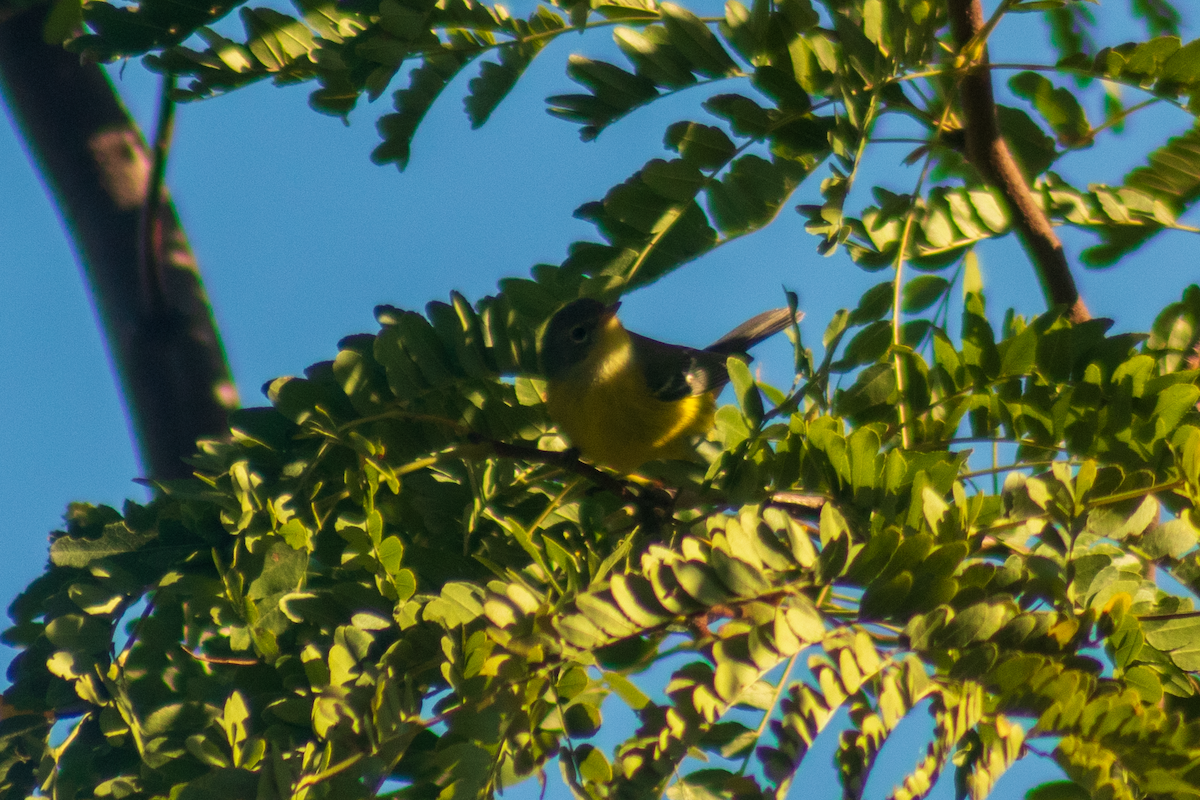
(622, 399)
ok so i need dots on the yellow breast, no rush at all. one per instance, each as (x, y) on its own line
(605, 409)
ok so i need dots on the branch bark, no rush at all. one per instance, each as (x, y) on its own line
(989, 153)
(153, 307)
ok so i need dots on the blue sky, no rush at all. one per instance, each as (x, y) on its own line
(299, 236)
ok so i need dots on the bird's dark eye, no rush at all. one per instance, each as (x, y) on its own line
(579, 334)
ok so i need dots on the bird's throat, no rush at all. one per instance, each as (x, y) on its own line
(611, 355)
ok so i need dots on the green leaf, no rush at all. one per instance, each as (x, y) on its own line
(1171, 175)
(1172, 539)
(1174, 402)
(745, 389)
(614, 93)
(655, 56)
(592, 764)
(222, 784)
(571, 683)
(701, 583)
(94, 600)
(678, 180)
(868, 346)
(582, 720)
(750, 194)
(275, 39)
(923, 291)
(634, 697)
(1145, 681)
(746, 117)
(1018, 354)
(63, 22)
(425, 83)
(705, 146)
(741, 578)
(117, 539)
(1179, 637)
(1119, 521)
(284, 570)
(1176, 330)
(1058, 790)
(1058, 107)
(78, 633)
(1033, 149)
(873, 305)
(875, 386)
(496, 80)
(695, 42)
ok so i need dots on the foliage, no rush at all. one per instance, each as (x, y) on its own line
(358, 587)
(395, 576)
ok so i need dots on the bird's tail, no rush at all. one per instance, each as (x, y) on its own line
(753, 331)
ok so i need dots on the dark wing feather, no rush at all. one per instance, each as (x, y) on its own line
(753, 331)
(674, 371)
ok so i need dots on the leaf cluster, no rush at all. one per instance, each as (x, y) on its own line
(394, 574)
(398, 580)
(803, 88)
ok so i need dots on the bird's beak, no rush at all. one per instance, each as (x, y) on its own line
(608, 317)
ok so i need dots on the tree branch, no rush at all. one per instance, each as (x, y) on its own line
(162, 339)
(989, 153)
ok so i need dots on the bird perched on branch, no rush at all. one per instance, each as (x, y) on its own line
(623, 399)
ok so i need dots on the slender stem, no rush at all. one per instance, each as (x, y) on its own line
(326, 774)
(1009, 468)
(553, 504)
(564, 459)
(573, 773)
(137, 628)
(232, 661)
(1133, 494)
(898, 283)
(1180, 615)
(989, 440)
(867, 124)
(762, 725)
(995, 472)
(1117, 119)
(899, 140)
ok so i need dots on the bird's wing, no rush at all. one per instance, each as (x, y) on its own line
(673, 371)
(753, 331)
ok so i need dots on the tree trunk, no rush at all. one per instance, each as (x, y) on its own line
(139, 268)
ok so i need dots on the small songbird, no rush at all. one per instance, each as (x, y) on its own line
(624, 399)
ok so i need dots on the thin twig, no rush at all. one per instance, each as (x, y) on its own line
(237, 662)
(566, 460)
(989, 153)
(898, 283)
(1158, 617)
(762, 726)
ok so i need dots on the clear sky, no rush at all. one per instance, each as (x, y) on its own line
(299, 236)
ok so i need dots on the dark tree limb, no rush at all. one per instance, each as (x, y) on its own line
(156, 316)
(988, 152)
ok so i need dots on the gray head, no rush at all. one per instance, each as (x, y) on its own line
(570, 334)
